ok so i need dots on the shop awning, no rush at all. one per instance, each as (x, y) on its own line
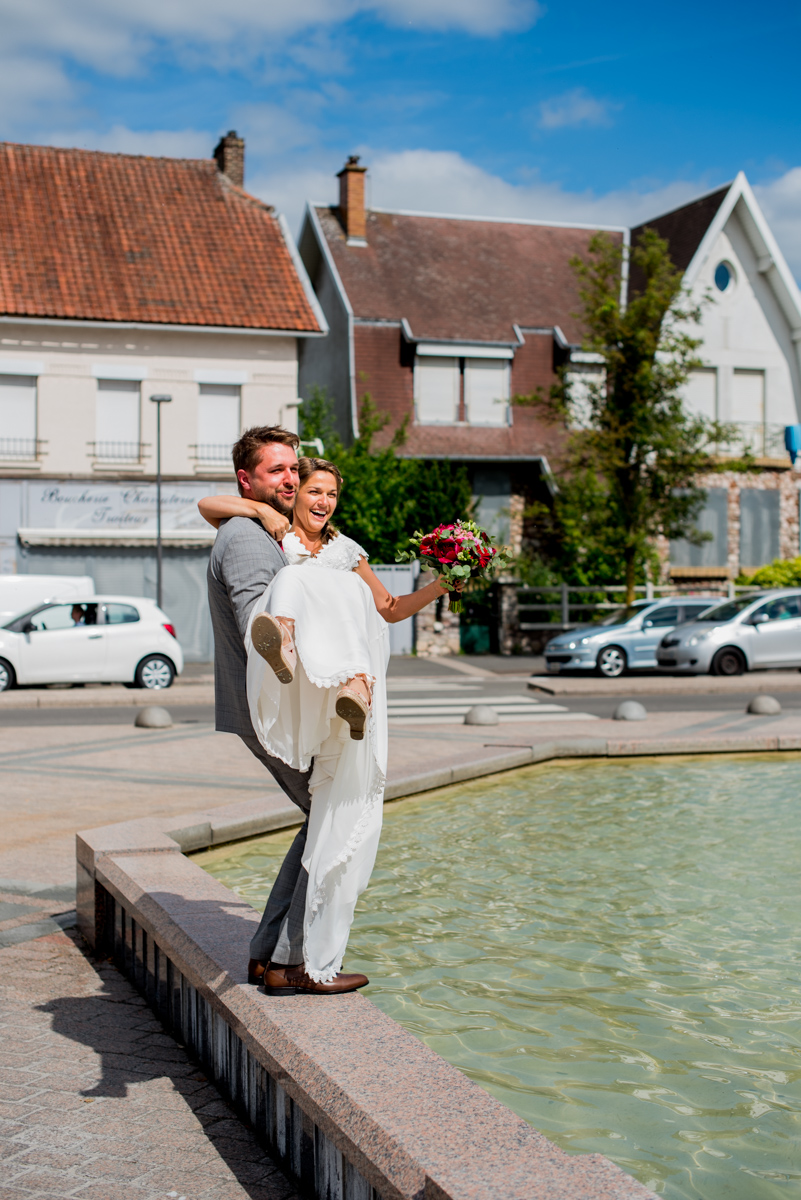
(178, 539)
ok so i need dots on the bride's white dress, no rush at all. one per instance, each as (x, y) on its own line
(338, 634)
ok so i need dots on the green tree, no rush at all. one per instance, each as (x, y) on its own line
(634, 452)
(385, 497)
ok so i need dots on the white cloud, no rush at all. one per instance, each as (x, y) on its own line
(574, 108)
(113, 36)
(781, 204)
(167, 143)
(446, 182)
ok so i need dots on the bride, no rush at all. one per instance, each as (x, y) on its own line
(318, 648)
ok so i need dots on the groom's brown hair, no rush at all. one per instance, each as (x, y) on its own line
(246, 451)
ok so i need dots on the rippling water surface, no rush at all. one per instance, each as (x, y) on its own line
(613, 950)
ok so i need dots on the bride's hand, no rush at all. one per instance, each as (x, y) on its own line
(446, 588)
(276, 524)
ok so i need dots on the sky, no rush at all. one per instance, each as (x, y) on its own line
(544, 109)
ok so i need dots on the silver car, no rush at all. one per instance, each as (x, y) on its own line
(751, 633)
(625, 640)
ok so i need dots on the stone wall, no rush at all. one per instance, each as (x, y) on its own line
(436, 628)
(786, 482)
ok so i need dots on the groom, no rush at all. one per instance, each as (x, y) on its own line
(244, 560)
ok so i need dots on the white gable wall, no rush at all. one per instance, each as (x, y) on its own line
(743, 330)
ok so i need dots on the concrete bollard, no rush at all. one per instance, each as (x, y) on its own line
(481, 714)
(764, 706)
(153, 717)
(630, 710)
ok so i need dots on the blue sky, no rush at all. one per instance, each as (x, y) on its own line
(506, 107)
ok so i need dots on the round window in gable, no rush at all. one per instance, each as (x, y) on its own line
(724, 276)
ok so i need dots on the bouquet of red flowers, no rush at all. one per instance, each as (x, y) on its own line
(457, 553)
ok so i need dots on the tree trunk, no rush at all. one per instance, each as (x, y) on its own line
(630, 594)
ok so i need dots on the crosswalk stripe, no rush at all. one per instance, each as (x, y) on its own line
(504, 718)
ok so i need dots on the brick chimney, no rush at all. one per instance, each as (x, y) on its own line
(351, 199)
(230, 155)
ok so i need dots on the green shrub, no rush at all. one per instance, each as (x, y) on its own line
(782, 572)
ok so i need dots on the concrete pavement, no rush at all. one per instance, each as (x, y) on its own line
(97, 1102)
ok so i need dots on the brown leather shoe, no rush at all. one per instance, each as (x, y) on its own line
(256, 971)
(275, 981)
(297, 978)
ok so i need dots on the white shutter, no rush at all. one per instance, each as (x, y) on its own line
(748, 396)
(748, 410)
(217, 420)
(18, 410)
(117, 417)
(436, 390)
(701, 394)
(486, 391)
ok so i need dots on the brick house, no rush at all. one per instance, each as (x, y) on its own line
(443, 319)
(751, 331)
(122, 277)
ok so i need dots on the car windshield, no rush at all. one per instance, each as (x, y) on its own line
(621, 615)
(727, 611)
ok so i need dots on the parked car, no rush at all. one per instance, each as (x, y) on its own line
(750, 633)
(19, 593)
(626, 640)
(86, 639)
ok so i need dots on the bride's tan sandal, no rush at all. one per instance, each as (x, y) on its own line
(354, 708)
(275, 644)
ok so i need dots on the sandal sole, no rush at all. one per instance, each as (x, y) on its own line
(355, 716)
(267, 641)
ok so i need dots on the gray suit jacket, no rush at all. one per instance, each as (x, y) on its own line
(244, 559)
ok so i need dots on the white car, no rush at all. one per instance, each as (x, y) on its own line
(90, 639)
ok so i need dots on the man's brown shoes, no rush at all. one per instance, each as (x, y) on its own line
(281, 980)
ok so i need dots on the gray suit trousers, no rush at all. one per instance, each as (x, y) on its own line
(279, 937)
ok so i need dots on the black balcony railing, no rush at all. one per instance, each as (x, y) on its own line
(117, 452)
(212, 452)
(20, 449)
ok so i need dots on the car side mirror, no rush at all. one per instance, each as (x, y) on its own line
(647, 624)
(29, 627)
(759, 619)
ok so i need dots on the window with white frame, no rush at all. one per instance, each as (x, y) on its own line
(701, 393)
(117, 415)
(18, 417)
(436, 390)
(486, 391)
(218, 422)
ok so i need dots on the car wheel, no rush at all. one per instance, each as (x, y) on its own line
(7, 676)
(154, 672)
(728, 661)
(612, 661)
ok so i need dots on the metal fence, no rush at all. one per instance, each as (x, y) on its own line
(554, 609)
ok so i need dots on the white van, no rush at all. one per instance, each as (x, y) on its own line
(19, 593)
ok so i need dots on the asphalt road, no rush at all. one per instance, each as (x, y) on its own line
(440, 694)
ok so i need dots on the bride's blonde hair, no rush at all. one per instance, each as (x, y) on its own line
(306, 468)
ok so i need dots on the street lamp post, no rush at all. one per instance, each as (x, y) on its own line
(158, 401)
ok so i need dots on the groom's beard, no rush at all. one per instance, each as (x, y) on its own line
(283, 504)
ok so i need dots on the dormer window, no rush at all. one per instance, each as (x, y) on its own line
(473, 389)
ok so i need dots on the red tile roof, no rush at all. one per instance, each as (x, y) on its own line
(453, 278)
(118, 237)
